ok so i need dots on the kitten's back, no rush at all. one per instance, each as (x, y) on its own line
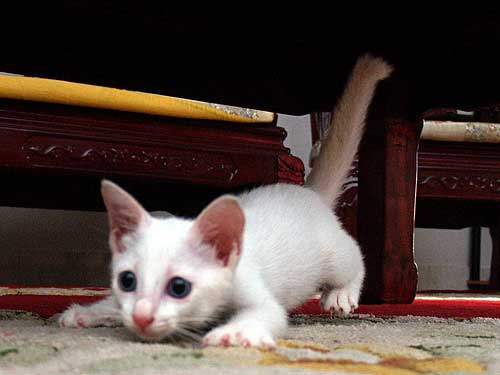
(289, 233)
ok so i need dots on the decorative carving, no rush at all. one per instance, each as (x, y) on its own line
(451, 182)
(290, 170)
(349, 197)
(99, 155)
(455, 183)
(349, 194)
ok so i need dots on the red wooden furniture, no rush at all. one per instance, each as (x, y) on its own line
(458, 186)
(54, 156)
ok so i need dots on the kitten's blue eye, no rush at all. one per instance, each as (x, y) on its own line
(178, 287)
(127, 281)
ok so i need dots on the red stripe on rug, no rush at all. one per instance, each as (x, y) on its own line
(48, 305)
(438, 307)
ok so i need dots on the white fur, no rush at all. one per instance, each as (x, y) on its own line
(293, 244)
(348, 123)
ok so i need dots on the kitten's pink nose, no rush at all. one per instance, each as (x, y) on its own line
(142, 321)
(143, 314)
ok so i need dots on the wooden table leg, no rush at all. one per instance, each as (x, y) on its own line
(386, 198)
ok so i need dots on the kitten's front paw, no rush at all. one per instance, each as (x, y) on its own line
(78, 316)
(340, 302)
(75, 317)
(237, 335)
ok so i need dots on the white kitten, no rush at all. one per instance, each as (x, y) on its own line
(258, 255)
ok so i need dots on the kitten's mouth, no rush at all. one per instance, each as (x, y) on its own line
(151, 333)
(149, 337)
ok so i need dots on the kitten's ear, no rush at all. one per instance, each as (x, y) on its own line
(220, 226)
(125, 214)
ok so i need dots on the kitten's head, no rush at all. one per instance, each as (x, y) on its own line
(169, 275)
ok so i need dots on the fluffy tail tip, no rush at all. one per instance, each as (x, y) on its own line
(373, 67)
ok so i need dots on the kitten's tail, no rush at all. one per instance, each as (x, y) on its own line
(346, 129)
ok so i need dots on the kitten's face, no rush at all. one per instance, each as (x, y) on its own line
(162, 277)
(171, 275)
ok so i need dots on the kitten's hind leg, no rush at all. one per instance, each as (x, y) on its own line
(341, 301)
(105, 313)
(344, 278)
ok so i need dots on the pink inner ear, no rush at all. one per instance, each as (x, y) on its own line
(125, 214)
(221, 226)
(123, 221)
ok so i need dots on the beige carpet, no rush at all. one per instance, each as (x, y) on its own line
(359, 345)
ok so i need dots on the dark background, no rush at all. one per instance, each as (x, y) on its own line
(288, 60)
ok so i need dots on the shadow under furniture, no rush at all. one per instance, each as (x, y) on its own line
(267, 61)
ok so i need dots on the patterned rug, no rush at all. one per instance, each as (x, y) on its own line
(362, 344)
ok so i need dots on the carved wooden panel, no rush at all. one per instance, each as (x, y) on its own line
(460, 183)
(67, 150)
(44, 151)
(446, 171)
(440, 183)
(350, 188)
(37, 137)
(459, 170)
